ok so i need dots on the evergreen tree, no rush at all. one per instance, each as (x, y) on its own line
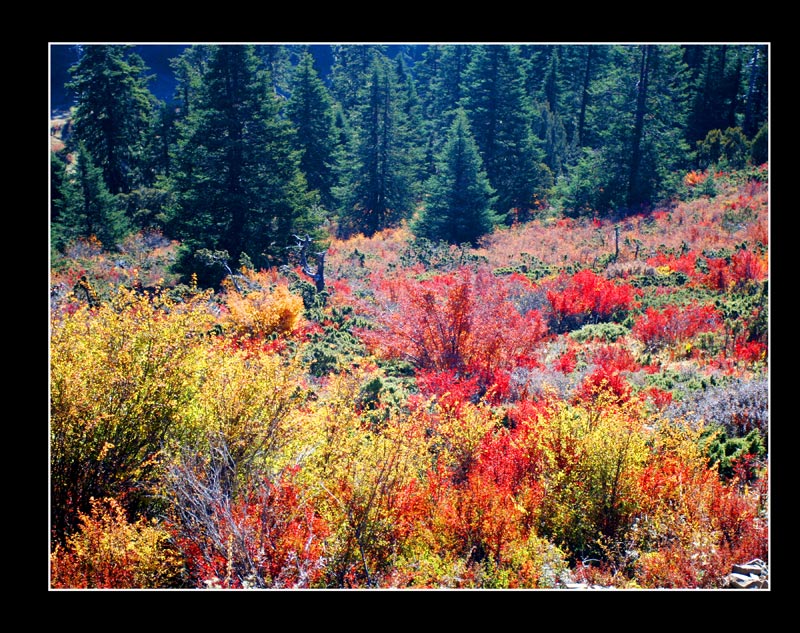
(278, 61)
(552, 138)
(409, 103)
(759, 148)
(310, 109)
(535, 61)
(57, 169)
(376, 191)
(638, 117)
(716, 89)
(113, 111)
(571, 79)
(162, 138)
(350, 70)
(237, 179)
(441, 72)
(756, 100)
(88, 208)
(189, 69)
(499, 112)
(551, 89)
(459, 199)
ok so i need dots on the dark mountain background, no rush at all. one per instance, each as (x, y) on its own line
(156, 56)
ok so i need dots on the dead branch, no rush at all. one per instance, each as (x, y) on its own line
(318, 275)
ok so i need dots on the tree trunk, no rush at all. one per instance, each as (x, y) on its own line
(634, 192)
(587, 74)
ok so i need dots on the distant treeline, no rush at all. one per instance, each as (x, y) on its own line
(259, 145)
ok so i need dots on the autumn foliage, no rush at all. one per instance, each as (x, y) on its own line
(462, 325)
(498, 416)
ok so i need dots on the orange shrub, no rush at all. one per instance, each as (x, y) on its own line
(267, 307)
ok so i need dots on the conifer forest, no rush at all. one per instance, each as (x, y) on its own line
(408, 316)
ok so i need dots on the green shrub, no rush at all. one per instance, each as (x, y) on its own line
(609, 332)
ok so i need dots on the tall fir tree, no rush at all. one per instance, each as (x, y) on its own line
(376, 188)
(88, 209)
(310, 109)
(639, 117)
(410, 104)
(58, 167)
(279, 61)
(441, 71)
(113, 112)
(237, 179)
(350, 70)
(189, 68)
(551, 88)
(593, 57)
(459, 198)
(499, 111)
(551, 137)
(716, 88)
(756, 98)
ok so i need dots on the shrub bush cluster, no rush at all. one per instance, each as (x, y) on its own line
(435, 423)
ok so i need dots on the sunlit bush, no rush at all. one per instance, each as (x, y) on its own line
(264, 307)
(109, 552)
(120, 376)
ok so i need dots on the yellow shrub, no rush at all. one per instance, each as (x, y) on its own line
(120, 374)
(245, 402)
(109, 552)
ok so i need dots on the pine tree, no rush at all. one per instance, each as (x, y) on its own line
(376, 191)
(756, 100)
(411, 106)
(459, 198)
(635, 130)
(441, 71)
(551, 88)
(237, 180)
(57, 170)
(189, 69)
(499, 112)
(716, 90)
(551, 136)
(277, 60)
(593, 55)
(88, 209)
(113, 111)
(659, 150)
(162, 137)
(350, 71)
(310, 109)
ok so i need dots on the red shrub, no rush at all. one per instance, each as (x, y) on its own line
(744, 267)
(567, 362)
(448, 387)
(747, 266)
(586, 297)
(683, 264)
(604, 380)
(750, 351)
(675, 324)
(615, 358)
(268, 538)
(661, 399)
(461, 322)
